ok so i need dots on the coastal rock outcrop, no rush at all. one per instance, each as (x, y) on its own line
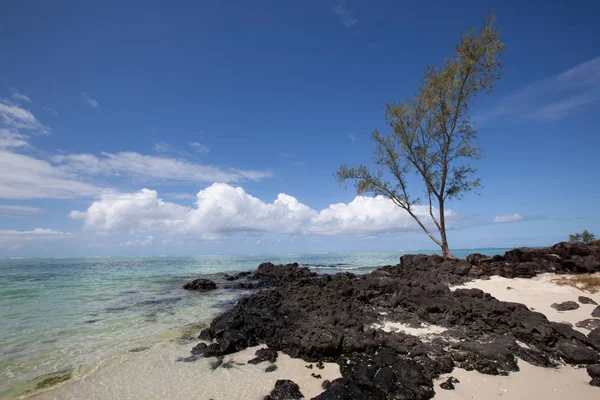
(285, 390)
(341, 318)
(565, 306)
(202, 285)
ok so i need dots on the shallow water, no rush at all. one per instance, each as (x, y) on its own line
(86, 314)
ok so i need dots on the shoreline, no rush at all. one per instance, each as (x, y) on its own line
(441, 341)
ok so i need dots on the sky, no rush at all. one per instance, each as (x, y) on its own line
(215, 127)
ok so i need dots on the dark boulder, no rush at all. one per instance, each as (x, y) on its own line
(565, 306)
(201, 285)
(590, 323)
(596, 312)
(477, 259)
(586, 300)
(594, 338)
(285, 390)
(574, 352)
(594, 372)
(263, 355)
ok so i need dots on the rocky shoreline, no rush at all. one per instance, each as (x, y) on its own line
(339, 318)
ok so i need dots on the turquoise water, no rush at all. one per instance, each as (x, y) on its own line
(80, 313)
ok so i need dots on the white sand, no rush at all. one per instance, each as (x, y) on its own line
(528, 384)
(566, 382)
(539, 294)
(154, 374)
(423, 330)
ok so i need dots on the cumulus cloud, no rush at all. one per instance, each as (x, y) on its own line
(14, 240)
(220, 210)
(18, 118)
(88, 101)
(151, 167)
(508, 218)
(371, 216)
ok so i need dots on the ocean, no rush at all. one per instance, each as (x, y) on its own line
(85, 317)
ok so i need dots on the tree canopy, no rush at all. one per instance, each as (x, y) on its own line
(584, 236)
(432, 134)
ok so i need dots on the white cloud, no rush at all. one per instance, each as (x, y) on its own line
(151, 168)
(17, 210)
(222, 210)
(18, 118)
(371, 216)
(180, 196)
(199, 147)
(508, 218)
(140, 211)
(51, 111)
(20, 97)
(14, 240)
(162, 147)
(553, 98)
(138, 242)
(345, 15)
(10, 139)
(26, 177)
(87, 100)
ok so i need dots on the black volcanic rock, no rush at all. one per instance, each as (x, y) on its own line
(202, 285)
(590, 323)
(586, 300)
(336, 318)
(565, 306)
(596, 312)
(262, 355)
(285, 390)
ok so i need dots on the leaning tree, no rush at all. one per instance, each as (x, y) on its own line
(432, 133)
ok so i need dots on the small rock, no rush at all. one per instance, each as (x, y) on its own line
(596, 312)
(590, 323)
(325, 385)
(586, 300)
(264, 354)
(566, 306)
(509, 288)
(453, 380)
(201, 285)
(594, 372)
(309, 366)
(448, 385)
(285, 390)
(271, 368)
(320, 365)
(318, 376)
(216, 364)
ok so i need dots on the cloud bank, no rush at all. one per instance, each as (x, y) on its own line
(222, 210)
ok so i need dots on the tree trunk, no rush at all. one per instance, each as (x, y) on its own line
(445, 249)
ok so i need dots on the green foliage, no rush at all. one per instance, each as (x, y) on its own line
(584, 236)
(431, 134)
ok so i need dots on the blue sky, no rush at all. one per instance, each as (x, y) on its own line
(200, 127)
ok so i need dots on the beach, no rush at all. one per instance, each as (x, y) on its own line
(162, 367)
